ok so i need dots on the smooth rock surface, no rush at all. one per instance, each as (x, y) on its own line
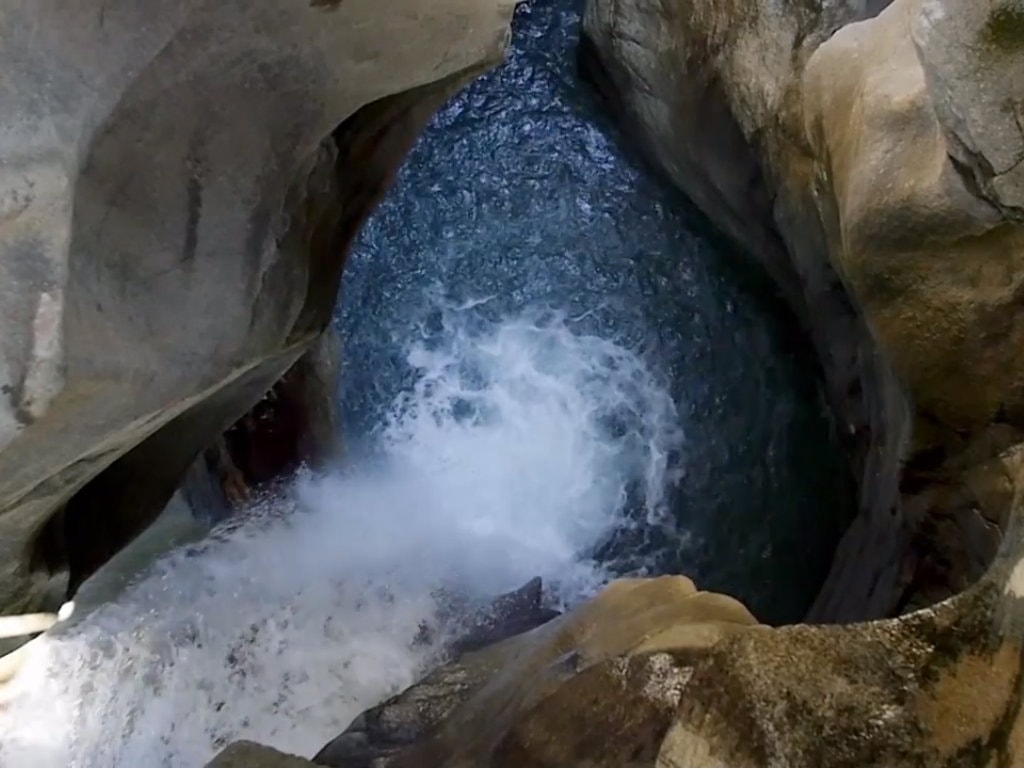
(710, 92)
(512, 613)
(971, 55)
(178, 185)
(251, 754)
(937, 269)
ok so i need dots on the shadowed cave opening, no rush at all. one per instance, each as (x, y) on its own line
(551, 365)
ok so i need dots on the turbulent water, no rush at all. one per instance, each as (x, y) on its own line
(519, 200)
(550, 369)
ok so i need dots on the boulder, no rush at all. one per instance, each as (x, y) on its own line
(251, 754)
(655, 673)
(867, 153)
(404, 719)
(179, 182)
(507, 615)
(593, 687)
(940, 687)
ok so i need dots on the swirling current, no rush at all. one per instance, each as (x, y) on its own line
(552, 366)
(519, 205)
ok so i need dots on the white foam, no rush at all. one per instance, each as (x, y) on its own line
(510, 458)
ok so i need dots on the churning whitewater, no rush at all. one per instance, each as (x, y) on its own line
(513, 455)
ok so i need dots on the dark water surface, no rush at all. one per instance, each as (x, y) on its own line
(518, 203)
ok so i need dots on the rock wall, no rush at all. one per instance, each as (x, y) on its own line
(294, 424)
(844, 145)
(178, 184)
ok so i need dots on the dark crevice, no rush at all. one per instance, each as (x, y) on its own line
(270, 442)
(119, 503)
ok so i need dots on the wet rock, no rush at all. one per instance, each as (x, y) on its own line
(840, 142)
(175, 208)
(293, 425)
(381, 732)
(508, 615)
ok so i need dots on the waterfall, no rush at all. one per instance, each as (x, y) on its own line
(512, 456)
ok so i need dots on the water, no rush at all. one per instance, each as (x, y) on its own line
(518, 200)
(550, 368)
(512, 456)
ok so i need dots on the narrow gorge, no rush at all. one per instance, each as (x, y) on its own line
(510, 396)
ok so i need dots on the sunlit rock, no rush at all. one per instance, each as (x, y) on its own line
(251, 754)
(653, 673)
(863, 169)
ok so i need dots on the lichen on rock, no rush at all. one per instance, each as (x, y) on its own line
(653, 672)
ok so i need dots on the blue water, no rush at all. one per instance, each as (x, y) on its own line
(519, 201)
